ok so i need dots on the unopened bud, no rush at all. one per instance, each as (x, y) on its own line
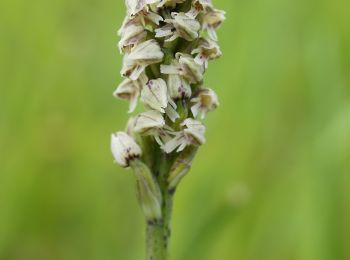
(124, 149)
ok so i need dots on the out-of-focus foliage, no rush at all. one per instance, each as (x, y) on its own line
(271, 183)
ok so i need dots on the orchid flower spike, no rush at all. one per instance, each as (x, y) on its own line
(167, 47)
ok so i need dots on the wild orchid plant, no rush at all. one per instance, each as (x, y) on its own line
(166, 45)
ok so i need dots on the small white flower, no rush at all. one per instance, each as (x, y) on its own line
(132, 33)
(130, 90)
(186, 67)
(180, 26)
(178, 87)
(140, 57)
(155, 95)
(152, 123)
(148, 122)
(207, 50)
(135, 6)
(192, 134)
(124, 148)
(205, 101)
(211, 21)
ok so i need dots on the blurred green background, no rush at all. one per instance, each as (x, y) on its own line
(272, 182)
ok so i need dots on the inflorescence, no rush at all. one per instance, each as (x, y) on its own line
(167, 45)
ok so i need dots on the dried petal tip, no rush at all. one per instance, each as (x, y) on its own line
(205, 101)
(124, 148)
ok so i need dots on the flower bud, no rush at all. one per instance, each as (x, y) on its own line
(178, 87)
(207, 50)
(205, 101)
(130, 90)
(140, 57)
(155, 95)
(211, 21)
(124, 149)
(148, 122)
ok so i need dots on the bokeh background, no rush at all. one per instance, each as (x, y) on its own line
(272, 182)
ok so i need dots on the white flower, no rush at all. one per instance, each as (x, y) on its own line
(152, 123)
(140, 57)
(132, 33)
(130, 90)
(149, 121)
(180, 26)
(185, 66)
(192, 134)
(124, 148)
(205, 101)
(135, 6)
(207, 50)
(211, 21)
(178, 87)
(155, 95)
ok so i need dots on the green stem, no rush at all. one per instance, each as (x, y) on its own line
(155, 243)
(158, 233)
